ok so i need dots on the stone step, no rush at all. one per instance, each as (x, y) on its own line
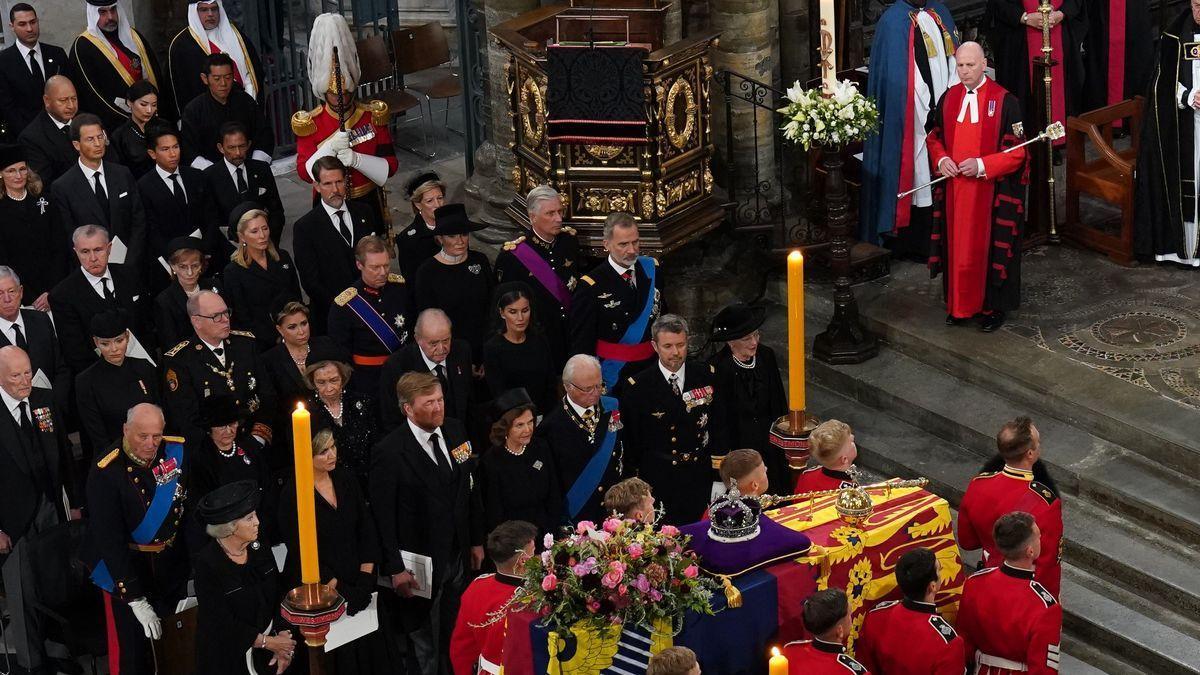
(968, 415)
(1098, 540)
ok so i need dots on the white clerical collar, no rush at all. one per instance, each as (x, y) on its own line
(970, 104)
(667, 374)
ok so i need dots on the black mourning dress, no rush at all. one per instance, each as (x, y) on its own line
(355, 435)
(213, 468)
(414, 245)
(521, 487)
(129, 144)
(291, 388)
(236, 603)
(757, 399)
(529, 365)
(251, 292)
(346, 538)
(104, 394)
(33, 243)
(463, 292)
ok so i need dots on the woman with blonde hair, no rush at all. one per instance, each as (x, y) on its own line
(415, 244)
(31, 240)
(258, 274)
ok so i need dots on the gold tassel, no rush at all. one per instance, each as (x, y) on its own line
(733, 597)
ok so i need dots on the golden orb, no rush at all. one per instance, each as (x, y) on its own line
(854, 505)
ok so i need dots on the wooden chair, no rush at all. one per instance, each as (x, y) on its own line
(378, 80)
(425, 48)
(1108, 177)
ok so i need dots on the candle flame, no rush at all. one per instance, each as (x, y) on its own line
(300, 405)
(775, 650)
(795, 255)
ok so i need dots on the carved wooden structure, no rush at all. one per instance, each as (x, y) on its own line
(667, 184)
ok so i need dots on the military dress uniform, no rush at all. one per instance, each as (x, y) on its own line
(368, 351)
(367, 124)
(603, 307)
(1009, 623)
(194, 372)
(129, 558)
(817, 657)
(993, 494)
(574, 440)
(674, 441)
(549, 312)
(908, 637)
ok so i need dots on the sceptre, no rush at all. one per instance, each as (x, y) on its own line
(339, 88)
(1052, 133)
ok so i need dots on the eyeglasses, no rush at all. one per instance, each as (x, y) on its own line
(219, 317)
(189, 268)
(588, 390)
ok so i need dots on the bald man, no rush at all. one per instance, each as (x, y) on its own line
(32, 447)
(979, 212)
(24, 68)
(47, 139)
(432, 350)
(136, 495)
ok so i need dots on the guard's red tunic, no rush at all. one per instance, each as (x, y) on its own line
(471, 646)
(1007, 620)
(909, 638)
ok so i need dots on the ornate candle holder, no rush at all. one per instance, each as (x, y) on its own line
(311, 608)
(790, 434)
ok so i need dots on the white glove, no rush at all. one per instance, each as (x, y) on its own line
(339, 141)
(347, 157)
(718, 489)
(146, 616)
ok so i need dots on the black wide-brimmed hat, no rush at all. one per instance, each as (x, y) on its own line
(418, 180)
(513, 398)
(228, 502)
(320, 351)
(11, 154)
(736, 321)
(237, 213)
(452, 219)
(217, 411)
(110, 324)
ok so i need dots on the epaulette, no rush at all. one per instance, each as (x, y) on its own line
(303, 124)
(717, 460)
(381, 114)
(242, 333)
(569, 230)
(394, 278)
(174, 439)
(1044, 595)
(1041, 490)
(630, 379)
(885, 604)
(850, 664)
(345, 296)
(510, 245)
(108, 459)
(943, 628)
(175, 350)
(987, 474)
(588, 279)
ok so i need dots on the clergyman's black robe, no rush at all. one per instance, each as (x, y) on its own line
(1138, 50)
(1008, 39)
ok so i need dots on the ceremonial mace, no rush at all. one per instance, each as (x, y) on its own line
(1047, 55)
(1055, 131)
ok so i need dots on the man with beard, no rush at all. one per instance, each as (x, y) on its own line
(912, 65)
(209, 31)
(108, 57)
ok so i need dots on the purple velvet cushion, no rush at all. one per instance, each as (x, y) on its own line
(773, 543)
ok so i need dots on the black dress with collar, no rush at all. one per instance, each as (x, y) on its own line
(252, 291)
(236, 603)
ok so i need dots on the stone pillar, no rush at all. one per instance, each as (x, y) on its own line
(673, 23)
(746, 47)
(795, 54)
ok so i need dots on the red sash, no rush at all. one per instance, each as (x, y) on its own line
(127, 63)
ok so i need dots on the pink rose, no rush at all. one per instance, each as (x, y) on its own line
(549, 582)
(691, 571)
(584, 526)
(642, 583)
(616, 572)
(669, 531)
(612, 525)
(634, 550)
(548, 540)
(593, 606)
(655, 596)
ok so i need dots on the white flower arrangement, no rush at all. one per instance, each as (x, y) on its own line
(844, 116)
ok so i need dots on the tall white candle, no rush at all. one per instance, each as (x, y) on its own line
(828, 44)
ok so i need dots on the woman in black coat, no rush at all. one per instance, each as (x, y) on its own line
(516, 357)
(457, 280)
(107, 389)
(128, 141)
(753, 396)
(229, 454)
(257, 275)
(351, 416)
(415, 243)
(348, 543)
(517, 474)
(237, 590)
(185, 255)
(32, 241)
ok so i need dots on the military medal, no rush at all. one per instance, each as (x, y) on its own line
(227, 374)
(45, 421)
(462, 453)
(165, 471)
(143, 386)
(697, 397)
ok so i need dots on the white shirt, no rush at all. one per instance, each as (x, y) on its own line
(233, 173)
(431, 365)
(337, 222)
(89, 172)
(97, 284)
(11, 404)
(37, 50)
(667, 374)
(579, 410)
(167, 179)
(422, 437)
(213, 348)
(7, 327)
(622, 270)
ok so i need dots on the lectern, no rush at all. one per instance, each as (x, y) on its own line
(668, 183)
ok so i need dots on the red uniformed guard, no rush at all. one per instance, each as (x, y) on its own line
(1015, 481)
(908, 637)
(353, 131)
(1009, 622)
(478, 639)
(832, 445)
(827, 618)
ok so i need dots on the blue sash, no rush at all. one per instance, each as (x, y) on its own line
(156, 515)
(589, 479)
(610, 369)
(359, 305)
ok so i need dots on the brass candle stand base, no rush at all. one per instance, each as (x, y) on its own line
(790, 434)
(311, 608)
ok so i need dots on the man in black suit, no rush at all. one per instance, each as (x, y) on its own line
(24, 69)
(96, 191)
(673, 432)
(239, 178)
(176, 201)
(47, 138)
(425, 502)
(434, 351)
(31, 495)
(324, 239)
(93, 287)
(33, 332)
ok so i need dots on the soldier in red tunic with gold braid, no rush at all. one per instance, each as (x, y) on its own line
(355, 132)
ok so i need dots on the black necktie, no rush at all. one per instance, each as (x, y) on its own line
(241, 180)
(26, 423)
(675, 385)
(108, 294)
(439, 456)
(344, 228)
(101, 194)
(180, 195)
(35, 67)
(20, 341)
(440, 371)
(627, 275)
(220, 353)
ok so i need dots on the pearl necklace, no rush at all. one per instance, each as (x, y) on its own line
(515, 453)
(228, 455)
(451, 259)
(337, 419)
(747, 365)
(300, 362)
